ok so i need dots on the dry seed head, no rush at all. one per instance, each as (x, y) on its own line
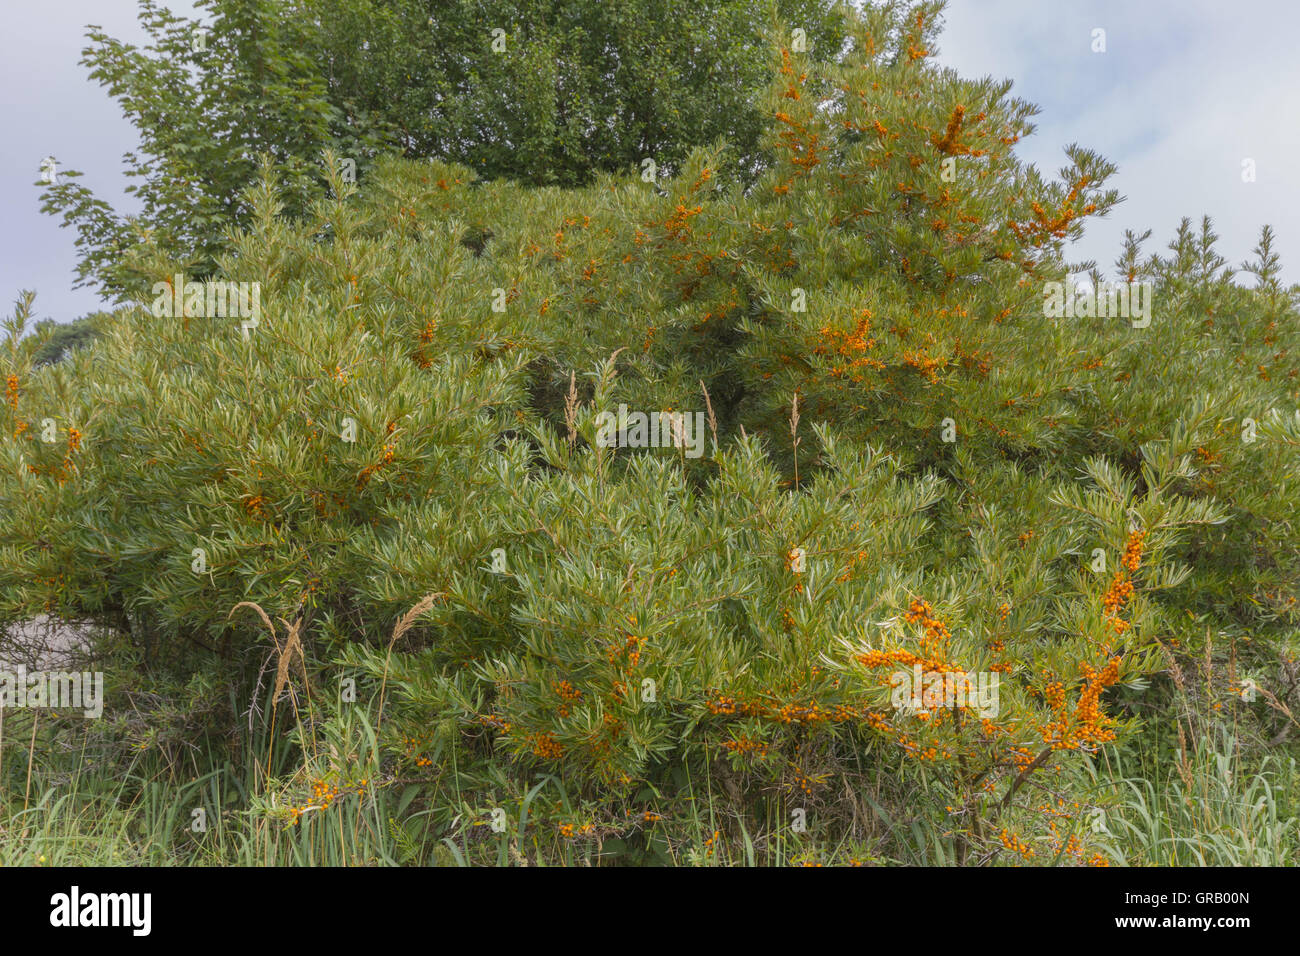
(713, 421)
(410, 617)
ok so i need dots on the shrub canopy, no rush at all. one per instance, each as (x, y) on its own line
(908, 464)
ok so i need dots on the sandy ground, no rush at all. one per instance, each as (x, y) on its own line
(44, 643)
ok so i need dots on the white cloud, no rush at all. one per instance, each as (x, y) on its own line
(1184, 92)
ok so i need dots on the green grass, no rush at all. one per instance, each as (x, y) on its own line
(1220, 810)
(1215, 805)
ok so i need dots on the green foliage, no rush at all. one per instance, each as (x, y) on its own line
(205, 107)
(579, 88)
(568, 89)
(653, 656)
(63, 339)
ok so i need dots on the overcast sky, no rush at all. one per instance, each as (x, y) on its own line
(1185, 91)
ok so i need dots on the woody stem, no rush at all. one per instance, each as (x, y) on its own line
(1038, 761)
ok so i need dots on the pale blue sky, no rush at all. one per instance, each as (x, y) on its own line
(1185, 91)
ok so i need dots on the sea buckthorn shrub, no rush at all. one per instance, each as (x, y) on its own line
(178, 436)
(889, 262)
(649, 644)
(660, 656)
(896, 301)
